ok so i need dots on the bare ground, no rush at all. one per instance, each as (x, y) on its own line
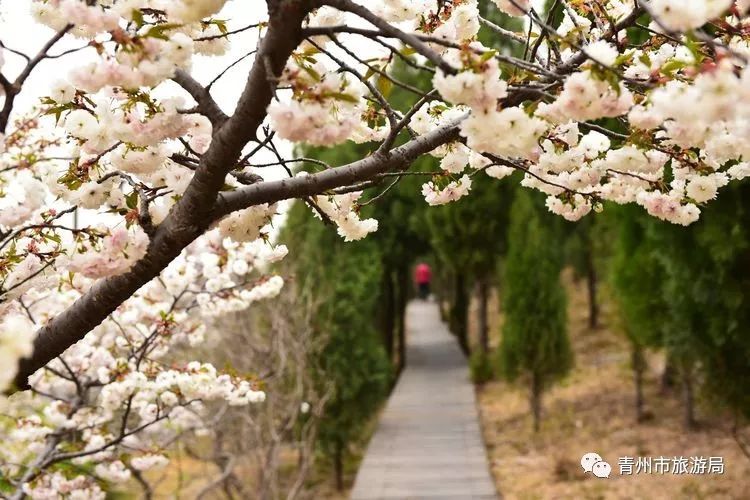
(592, 410)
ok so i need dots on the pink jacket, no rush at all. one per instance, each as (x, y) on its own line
(422, 274)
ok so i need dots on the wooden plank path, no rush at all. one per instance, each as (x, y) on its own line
(428, 444)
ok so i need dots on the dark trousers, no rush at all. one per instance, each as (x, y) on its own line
(424, 290)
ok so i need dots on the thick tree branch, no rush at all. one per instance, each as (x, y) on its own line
(321, 182)
(206, 104)
(191, 216)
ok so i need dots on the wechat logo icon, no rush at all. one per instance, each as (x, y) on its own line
(593, 462)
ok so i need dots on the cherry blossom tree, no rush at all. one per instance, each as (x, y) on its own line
(134, 206)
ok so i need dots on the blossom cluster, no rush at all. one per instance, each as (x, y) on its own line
(694, 106)
(326, 107)
(114, 387)
(342, 210)
(114, 254)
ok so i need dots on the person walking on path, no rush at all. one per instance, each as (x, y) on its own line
(422, 277)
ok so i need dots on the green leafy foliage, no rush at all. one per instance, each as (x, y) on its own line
(468, 238)
(534, 344)
(686, 290)
(637, 278)
(342, 280)
(707, 280)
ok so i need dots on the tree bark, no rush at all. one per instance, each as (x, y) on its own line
(669, 375)
(536, 400)
(310, 185)
(591, 286)
(483, 290)
(688, 397)
(442, 293)
(639, 367)
(338, 466)
(418, 45)
(460, 312)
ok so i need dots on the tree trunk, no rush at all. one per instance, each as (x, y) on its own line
(688, 398)
(482, 320)
(591, 285)
(639, 367)
(443, 295)
(460, 312)
(669, 375)
(338, 466)
(536, 400)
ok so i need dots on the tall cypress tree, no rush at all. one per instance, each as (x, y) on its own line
(468, 237)
(688, 290)
(707, 291)
(534, 346)
(341, 280)
(637, 279)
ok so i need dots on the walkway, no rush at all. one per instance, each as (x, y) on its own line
(428, 444)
